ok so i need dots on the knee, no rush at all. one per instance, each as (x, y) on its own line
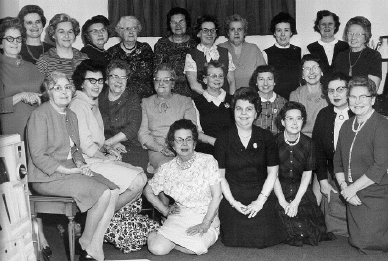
(139, 182)
(157, 249)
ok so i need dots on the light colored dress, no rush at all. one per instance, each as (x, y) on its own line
(91, 132)
(190, 188)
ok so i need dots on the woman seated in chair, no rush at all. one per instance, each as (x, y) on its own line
(57, 168)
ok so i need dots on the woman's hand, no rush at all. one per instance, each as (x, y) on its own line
(255, 207)
(292, 208)
(240, 207)
(284, 204)
(84, 169)
(326, 188)
(173, 209)
(200, 228)
(349, 192)
(30, 98)
(355, 201)
(119, 147)
(167, 152)
(114, 154)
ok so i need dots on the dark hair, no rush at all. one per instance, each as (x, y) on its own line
(118, 63)
(323, 13)
(306, 58)
(291, 105)
(207, 18)
(32, 9)
(236, 18)
(8, 23)
(214, 64)
(334, 76)
(182, 124)
(247, 94)
(262, 69)
(283, 17)
(361, 21)
(175, 11)
(85, 66)
(94, 20)
(363, 81)
(60, 18)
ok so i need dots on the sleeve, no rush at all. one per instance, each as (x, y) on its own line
(190, 113)
(259, 57)
(337, 160)
(212, 174)
(220, 151)
(190, 64)
(42, 66)
(379, 168)
(231, 66)
(76, 150)
(375, 64)
(6, 103)
(271, 150)
(294, 96)
(144, 134)
(265, 56)
(147, 60)
(37, 134)
(88, 146)
(157, 181)
(133, 113)
(311, 160)
(318, 136)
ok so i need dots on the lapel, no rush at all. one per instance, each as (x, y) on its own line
(246, 153)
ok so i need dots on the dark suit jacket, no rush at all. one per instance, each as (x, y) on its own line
(323, 136)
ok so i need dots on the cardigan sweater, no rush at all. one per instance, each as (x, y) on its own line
(48, 134)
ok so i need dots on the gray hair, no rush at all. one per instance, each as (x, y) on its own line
(127, 18)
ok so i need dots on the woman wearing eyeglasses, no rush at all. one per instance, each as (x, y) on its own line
(297, 205)
(138, 55)
(325, 135)
(214, 107)
(359, 60)
(95, 34)
(207, 28)
(360, 167)
(246, 56)
(160, 111)
(173, 48)
(310, 93)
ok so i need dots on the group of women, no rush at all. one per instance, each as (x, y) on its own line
(186, 113)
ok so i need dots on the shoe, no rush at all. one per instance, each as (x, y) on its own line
(46, 253)
(86, 257)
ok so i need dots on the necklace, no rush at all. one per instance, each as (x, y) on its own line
(350, 64)
(350, 179)
(98, 49)
(129, 49)
(185, 164)
(30, 53)
(291, 143)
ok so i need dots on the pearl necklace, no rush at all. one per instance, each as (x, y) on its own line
(129, 49)
(185, 164)
(291, 143)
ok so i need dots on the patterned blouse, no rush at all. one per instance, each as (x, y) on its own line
(270, 110)
(190, 188)
(141, 64)
(175, 54)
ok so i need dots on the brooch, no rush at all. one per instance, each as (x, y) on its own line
(275, 110)
(255, 145)
(227, 105)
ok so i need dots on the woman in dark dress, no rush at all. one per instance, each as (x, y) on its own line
(173, 48)
(248, 160)
(215, 113)
(298, 209)
(284, 56)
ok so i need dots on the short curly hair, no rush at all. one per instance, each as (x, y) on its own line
(283, 17)
(361, 21)
(306, 58)
(291, 105)
(207, 18)
(94, 20)
(175, 11)
(52, 79)
(120, 64)
(85, 66)
(262, 69)
(323, 13)
(335, 76)
(128, 18)
(10, 23)
(32, 9)
(165, 67)
(236, 18)
(182, 124)
(247, 94)
(60, 18)
(363, 81)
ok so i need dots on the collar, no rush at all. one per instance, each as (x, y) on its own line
(82, 96)
(282, 47)
(210, 53)
(334, 42)
(162, 105)
(52, 52)
(338, 111)
(14, 62)
(272, 99)
(216, 100)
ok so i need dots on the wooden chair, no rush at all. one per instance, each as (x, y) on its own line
(54, 205)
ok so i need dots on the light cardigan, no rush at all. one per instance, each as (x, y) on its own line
(91, 126)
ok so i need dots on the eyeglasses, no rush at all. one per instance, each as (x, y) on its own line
(181, 23)
(94, 80)
(97, 32)
(357, 35)
(165, 80)
(292, 119)
(340, 89)
(129, 29)
(215, 76)
(312, 69)
(118, 78)
(66, 88)
(181, 141)
(361, 98)
(207, 31)
(11, 39)
(233, 30)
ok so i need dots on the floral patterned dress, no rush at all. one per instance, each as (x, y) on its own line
(141, 64)
(190, 188)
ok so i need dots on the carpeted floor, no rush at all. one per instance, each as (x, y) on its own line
(333, 250)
